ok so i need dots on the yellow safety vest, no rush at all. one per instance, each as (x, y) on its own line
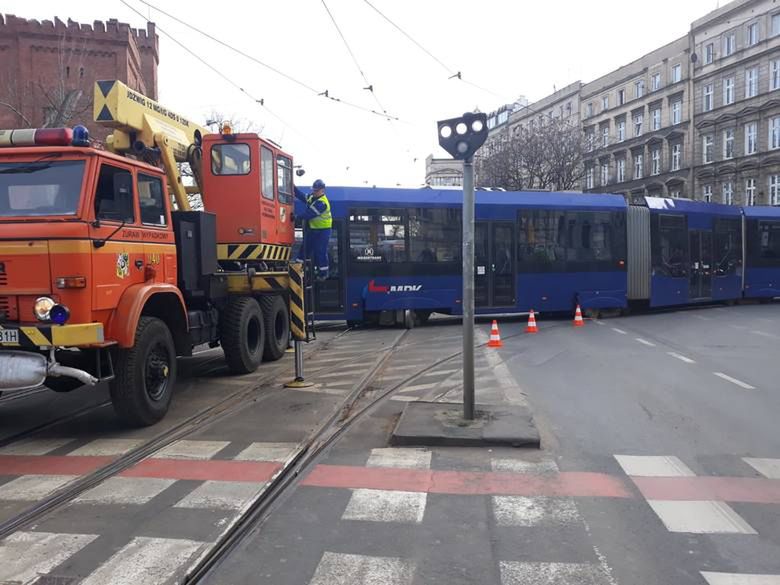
(324, 221)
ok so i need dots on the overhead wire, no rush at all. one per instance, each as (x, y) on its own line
(310, 88)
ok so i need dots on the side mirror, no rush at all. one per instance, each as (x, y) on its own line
(300, 172)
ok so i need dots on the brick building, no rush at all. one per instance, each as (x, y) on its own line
(48, 68)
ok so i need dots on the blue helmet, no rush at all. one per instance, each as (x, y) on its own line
(318, 184)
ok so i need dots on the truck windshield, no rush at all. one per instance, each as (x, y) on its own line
(40, 188)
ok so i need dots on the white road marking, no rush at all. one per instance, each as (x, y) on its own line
(407, 458)
(26, 555)
(521, 573)
(616, 330)
(645, 342)
(151, 561)
(680, 357)
(386, 506)
(700, 517)
(401, 398)
(406, 367)
(653, 466)
(739, 327)
(34, 446)
(739, 579)
(546, 466)
(106, 447)
(767, 467)
(739, 383)
(221, 495)
(702, 317)
(416, 387)
(327, 375)
(598, 322)
(186, 449)
(765, 334)
(125, 490)
(346, 569)
(279, 452)
(533, 511)
(29, 488)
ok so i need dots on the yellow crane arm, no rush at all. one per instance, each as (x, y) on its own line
(140, 122)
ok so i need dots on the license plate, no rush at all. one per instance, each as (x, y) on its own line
(9, 336)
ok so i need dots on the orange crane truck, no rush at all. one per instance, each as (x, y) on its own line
(107, 274)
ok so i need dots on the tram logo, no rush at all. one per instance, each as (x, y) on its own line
(383, 288)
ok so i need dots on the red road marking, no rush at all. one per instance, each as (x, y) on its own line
(50, 464)
(212, 469)
(726, 489)
(575, 484)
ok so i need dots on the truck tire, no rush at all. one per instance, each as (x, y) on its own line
(277, 327)
(242, 333)
(145, 374)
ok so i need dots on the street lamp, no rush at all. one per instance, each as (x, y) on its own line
(461, 138)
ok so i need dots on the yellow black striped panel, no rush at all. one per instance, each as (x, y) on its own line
(262, 282)
(253, 252)
(297, 307)
(57, 335)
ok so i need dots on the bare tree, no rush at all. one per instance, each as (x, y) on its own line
(545, 154)
(216, 120)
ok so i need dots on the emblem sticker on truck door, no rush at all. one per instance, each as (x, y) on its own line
(123, 265)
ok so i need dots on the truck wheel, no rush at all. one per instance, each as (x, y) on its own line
(277, 327)
(242, 332)
(144, 375)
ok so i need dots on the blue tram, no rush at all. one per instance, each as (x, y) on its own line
(762, 252)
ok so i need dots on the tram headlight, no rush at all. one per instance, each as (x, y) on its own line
(42, 308)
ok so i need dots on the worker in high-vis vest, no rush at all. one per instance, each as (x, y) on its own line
(317, 224)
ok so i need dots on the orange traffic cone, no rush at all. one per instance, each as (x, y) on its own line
(531, 323)
(578, 322)
(495, 338)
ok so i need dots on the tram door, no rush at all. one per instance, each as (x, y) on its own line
(494, 264)
(329, 293)
(701, 264)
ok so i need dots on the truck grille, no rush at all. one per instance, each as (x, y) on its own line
(5, 308)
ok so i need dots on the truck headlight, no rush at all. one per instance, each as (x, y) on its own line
(42, 308)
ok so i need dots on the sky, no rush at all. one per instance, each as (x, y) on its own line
(502, 48)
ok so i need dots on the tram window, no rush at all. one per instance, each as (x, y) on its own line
(377, 236)
(728, 246)
(593, 240)
(434, 235)
(670, 246)
(541, 241)
(769, 241)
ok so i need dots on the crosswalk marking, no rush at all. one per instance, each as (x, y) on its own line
(220, 495)
(700, 517)
(187, 449)
(408, 458)
(525, 573)
(125, 490)
(545, 466)
(386, 506)
(767, 467)
(532, 511)
(34, 446)
(151, 561)
(415, 387)
(739, 579)
(30, 488)
(26, 555)
(653, 466)
(106, 447)
(348, 569)
(278, 452)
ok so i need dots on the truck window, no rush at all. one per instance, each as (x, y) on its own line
(267, 171)
(230, 159)
(114, 195)
(151, 200)
(284, 178)
(40, 188)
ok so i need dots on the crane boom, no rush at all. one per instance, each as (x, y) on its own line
(140, 123)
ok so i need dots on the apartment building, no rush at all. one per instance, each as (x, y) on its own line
(443, 172)
(736, 83)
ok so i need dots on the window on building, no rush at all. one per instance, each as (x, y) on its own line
(639, 88)
(676, 73)
(151, 200)
(774, 189)
(707, 148)
(503, 116)
(655, 118)
(751, 132)
(434, 235)
(638, 162)
(676, 112)
(707, 193)
(751, 82)
(638, 119)
(728, 143)
(377, 236)
(727, 190)
(590, 140)
(750, 191)
(620, 171)
(605, 102)
(655, 82)
(621, 130)
(568, 109)
(728, 91)
(589, 110)
(674, 193)
(655, 158)
(709, 53)
(589, 178)
(676, 157)
(491, 123)
(752, 34)
(604, 174)
(774, 78)
(776, 24)
(605, 136)
(708, 103)
(774, 133)
(621, 96)
(729, 44)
